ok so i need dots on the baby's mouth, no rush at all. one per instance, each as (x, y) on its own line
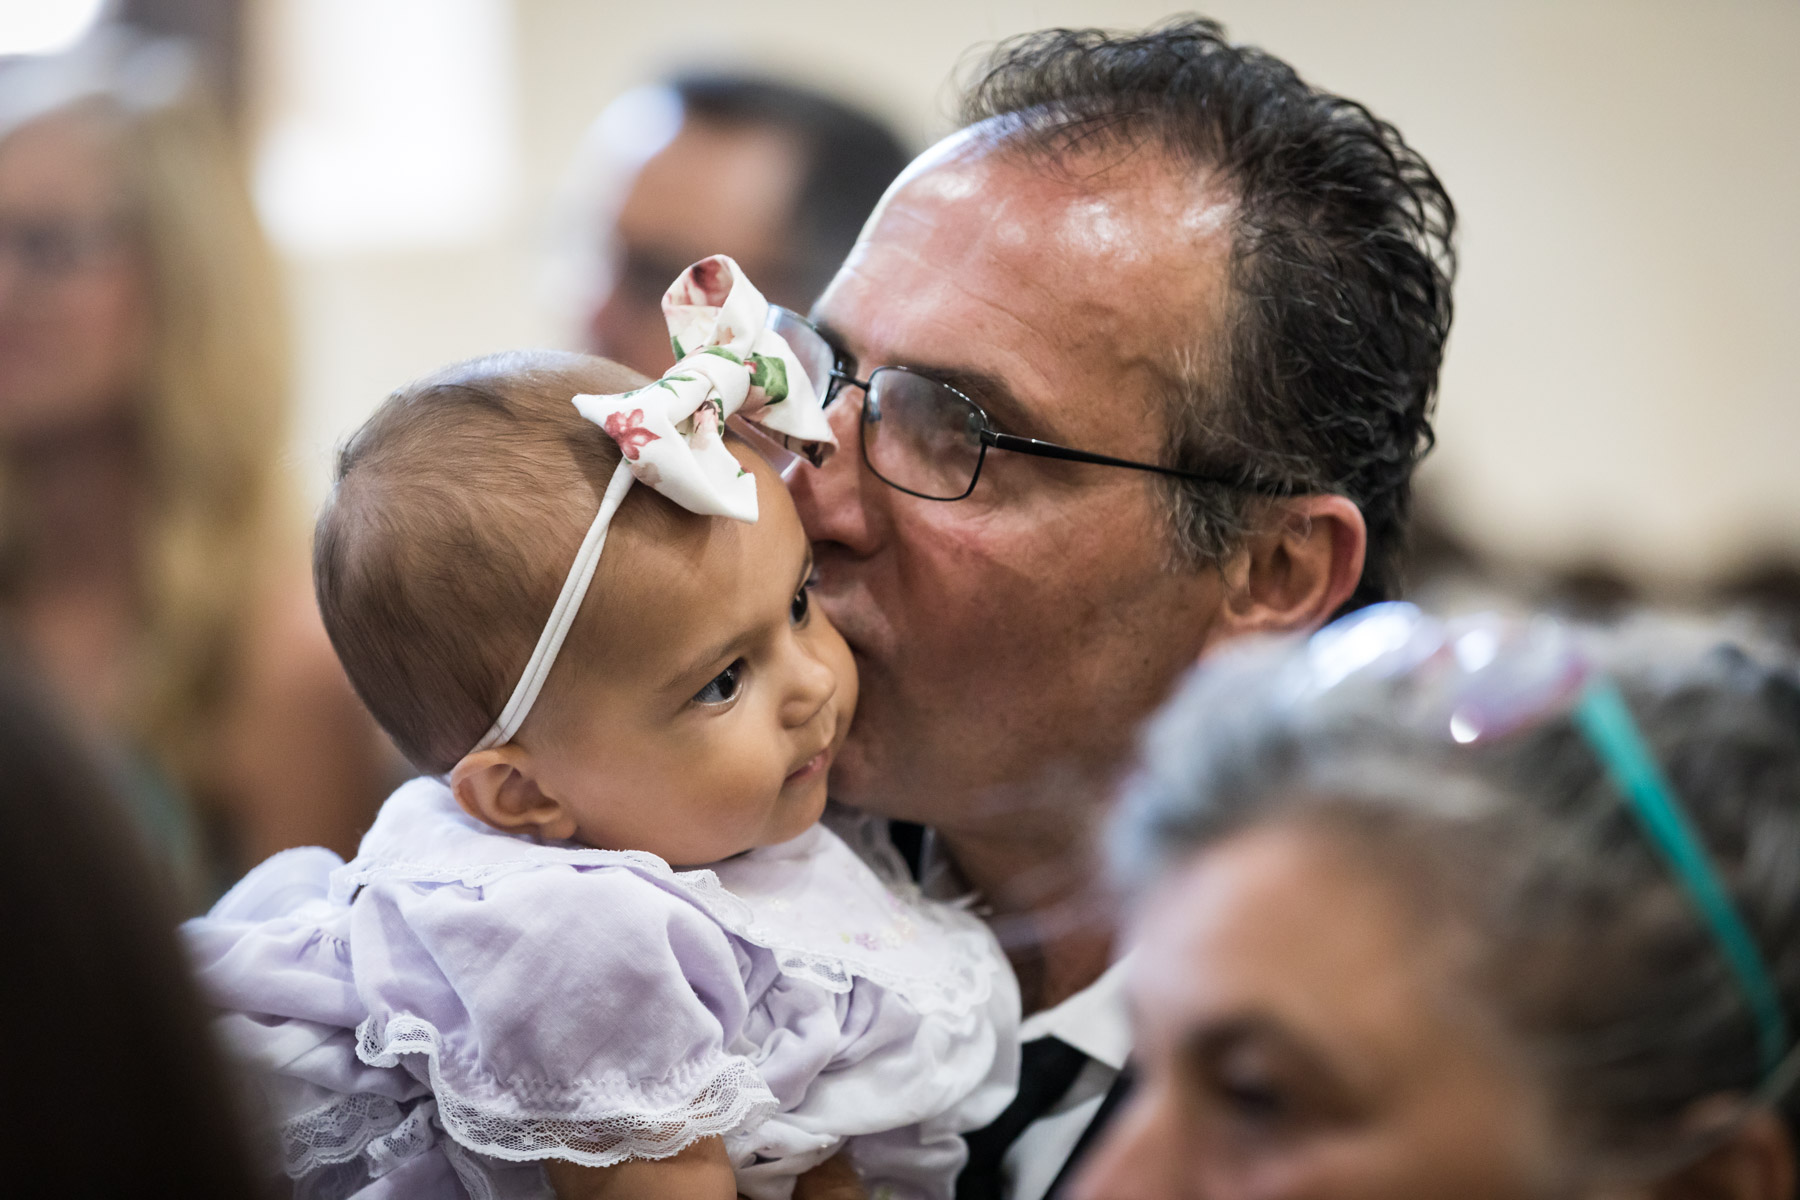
(813, 766)
(818, 764)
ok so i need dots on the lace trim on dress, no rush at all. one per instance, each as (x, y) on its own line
(335, 1132)
(959, 980)
(417, 1133)
(732, 1097)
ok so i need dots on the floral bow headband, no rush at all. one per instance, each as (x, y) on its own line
(671, 434)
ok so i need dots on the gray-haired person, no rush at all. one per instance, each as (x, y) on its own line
(1138, 362)
(1467, 908)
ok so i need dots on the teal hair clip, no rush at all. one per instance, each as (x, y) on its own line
(1606, 722)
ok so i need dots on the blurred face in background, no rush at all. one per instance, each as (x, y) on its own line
(74, 310)
(1305, 1034)
(712, 189)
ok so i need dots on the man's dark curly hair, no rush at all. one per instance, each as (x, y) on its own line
(1341, 265)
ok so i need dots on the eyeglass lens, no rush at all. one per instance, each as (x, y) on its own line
(816, 356)
(920, 435)
(817, 359)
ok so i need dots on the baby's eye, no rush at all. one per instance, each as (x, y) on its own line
(802, 604)
(724, 686)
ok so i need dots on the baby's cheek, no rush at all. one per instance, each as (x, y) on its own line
(848, 693)
(748, 784)
(836, 653)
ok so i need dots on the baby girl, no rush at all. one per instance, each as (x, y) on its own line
(604, 946)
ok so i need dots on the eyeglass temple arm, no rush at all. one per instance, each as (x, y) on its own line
(1025, 445)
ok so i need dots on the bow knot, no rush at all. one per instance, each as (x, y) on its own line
(731, 364)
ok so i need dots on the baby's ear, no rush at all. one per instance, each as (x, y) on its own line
(498, 788)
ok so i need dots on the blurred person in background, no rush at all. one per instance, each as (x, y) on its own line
(113, 1085)
(1466, 909)
(805, 171)
(150, 566)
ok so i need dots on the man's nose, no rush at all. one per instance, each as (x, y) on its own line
(835, 500)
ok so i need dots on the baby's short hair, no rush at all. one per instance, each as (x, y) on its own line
(454, 514)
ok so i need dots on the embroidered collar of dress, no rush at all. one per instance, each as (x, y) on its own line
(938, 957)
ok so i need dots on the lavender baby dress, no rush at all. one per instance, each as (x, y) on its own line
(456, 1004)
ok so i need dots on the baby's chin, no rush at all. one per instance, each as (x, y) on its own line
(793, 812)
(799, 812)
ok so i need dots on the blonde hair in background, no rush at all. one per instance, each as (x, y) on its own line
(213, 407)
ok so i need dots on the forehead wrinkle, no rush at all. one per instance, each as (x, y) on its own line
(894, 348)
(1101, 243)
(1103, 210)
(898, 347)
(1088, 297)
(1018, 403)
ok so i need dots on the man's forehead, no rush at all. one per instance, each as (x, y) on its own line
(1004, 256)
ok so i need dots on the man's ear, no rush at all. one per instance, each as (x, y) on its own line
(499, 787)
(1754, 1162)
(1296, 571)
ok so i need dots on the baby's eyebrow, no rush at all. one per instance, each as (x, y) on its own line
(691, 667)
(714, 653)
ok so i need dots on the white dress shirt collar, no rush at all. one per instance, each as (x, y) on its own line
(1095, 1020)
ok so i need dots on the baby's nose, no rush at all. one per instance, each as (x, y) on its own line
(811, 686)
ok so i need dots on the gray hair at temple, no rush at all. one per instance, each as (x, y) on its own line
(1592, 954)
(1341, 267)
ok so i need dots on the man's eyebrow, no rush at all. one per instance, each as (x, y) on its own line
(990, 391)
(835, 336)
(995, 396)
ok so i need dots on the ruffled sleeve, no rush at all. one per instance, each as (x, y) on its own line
(274, 955)
(568, 1011)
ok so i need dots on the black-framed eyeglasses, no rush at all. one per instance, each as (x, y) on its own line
(924, 437)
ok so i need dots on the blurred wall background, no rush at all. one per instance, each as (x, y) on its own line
(1621, 388)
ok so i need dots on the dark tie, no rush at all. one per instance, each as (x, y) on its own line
(1115, 1096)
(1047, 1066)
